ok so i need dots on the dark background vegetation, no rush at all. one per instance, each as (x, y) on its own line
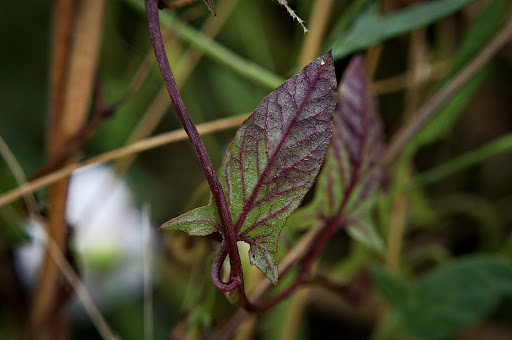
(468, 212)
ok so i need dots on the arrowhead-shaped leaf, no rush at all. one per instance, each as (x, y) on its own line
(272, 163)
(351, 171)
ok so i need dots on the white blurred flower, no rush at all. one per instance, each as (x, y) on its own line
(107, 236)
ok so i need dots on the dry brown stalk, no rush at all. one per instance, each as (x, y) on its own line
(319, 20)
(429, 109)
(142, 145)
(78, 27)
(56, 254)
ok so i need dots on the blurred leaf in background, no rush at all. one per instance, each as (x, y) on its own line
(441, 303)
(445, 203)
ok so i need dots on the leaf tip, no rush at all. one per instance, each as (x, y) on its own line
(264, 262)
(327, 58)
(164, 227)
(356, 64)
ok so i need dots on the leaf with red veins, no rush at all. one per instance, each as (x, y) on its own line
(357, 145)
(352, 170)
(273, 161)
(275, 157)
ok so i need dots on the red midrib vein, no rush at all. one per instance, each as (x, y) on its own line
(247, 206)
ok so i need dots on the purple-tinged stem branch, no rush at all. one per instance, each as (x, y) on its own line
(236, 275)
(331, 225)
(305, 268)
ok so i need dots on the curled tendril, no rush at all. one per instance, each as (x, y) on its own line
(233, 282)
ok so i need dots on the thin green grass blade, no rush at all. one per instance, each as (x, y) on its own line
(372, 28)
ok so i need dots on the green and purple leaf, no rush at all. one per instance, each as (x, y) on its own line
(272, 163)
(276, 156)
(352, 166)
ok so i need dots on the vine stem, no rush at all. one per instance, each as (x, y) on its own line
(304, 251)
(236, 276)
(314, 248)
(307, 259)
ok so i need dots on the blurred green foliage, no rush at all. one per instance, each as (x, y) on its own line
(463, 213)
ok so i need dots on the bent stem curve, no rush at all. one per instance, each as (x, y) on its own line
(236, 275)
(233, 282)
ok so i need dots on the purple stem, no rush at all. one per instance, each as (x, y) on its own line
(236, 276)
(331, 226)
